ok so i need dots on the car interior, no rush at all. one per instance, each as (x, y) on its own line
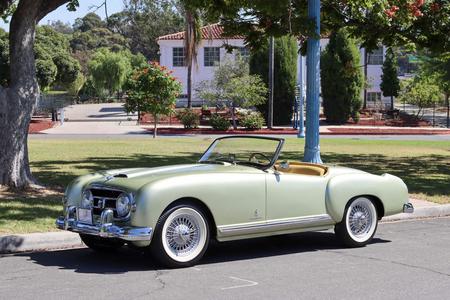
(301, 168)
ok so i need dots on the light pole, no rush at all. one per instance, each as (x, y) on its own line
(312, 148)
(271, 70)
(301, 99)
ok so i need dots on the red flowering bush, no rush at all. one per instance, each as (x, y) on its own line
(152, 89)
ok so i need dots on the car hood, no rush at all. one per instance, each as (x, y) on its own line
(134, 179)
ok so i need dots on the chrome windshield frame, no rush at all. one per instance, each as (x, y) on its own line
(262, 167)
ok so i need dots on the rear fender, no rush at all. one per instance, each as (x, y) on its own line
(390, 189)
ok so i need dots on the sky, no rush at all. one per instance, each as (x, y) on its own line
(85, 7)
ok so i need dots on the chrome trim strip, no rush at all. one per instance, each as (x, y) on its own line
(275, 225)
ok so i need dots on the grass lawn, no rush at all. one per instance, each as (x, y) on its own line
(423, 165)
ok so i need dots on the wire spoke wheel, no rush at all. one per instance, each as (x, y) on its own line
(184, 234)
(359, 223)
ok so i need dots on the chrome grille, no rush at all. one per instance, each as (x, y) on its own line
(103, 199)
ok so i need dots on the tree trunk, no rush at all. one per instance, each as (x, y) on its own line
(189, 86)
(17, 102)
(392, 102)
(233, 116)
(155, 125)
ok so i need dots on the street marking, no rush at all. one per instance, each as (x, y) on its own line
(248, 283)
(196, 269)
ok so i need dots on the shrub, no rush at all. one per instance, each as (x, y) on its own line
(188, 118)
(218, 122)
(341, 78)
(253, 121)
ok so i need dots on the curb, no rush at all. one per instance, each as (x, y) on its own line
(64, 239)
(421, 212)
(39, 242)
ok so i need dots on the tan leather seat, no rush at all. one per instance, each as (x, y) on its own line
(302, 168)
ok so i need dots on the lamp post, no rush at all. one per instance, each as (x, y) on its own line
(271, 71)
(312, 148)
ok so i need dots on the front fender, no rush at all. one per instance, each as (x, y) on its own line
(390, 189)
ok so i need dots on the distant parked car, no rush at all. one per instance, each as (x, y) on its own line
(238, 189)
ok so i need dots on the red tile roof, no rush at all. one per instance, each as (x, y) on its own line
(213, 31)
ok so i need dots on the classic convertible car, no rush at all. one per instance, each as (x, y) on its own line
(238, 189)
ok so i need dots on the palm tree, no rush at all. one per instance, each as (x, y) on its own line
(192, 38)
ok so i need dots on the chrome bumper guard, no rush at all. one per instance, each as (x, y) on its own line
(104, 229)
(408, 208)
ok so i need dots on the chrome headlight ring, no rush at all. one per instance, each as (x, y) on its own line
(123, 205)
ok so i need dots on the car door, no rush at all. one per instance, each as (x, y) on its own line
(294, 195)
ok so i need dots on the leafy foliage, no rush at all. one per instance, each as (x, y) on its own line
(253, 120)
(390, 84)
(4, 58)
(390, 23)
(341, 78)
(285, 76)
(188, 118)
(233, 86)
(152, 89)
(421, 91)
(218, 122)
(109, 71)
(143, 21)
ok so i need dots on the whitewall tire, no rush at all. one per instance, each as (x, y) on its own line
(181, 236)
(359, 223)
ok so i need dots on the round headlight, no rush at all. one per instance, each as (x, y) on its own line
(88, 199)
(123, 205)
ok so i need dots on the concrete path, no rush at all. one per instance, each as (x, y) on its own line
(102, 112)
(97, 128)
(406, 260)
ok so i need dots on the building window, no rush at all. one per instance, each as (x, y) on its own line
(179, 59)
(243, 52)
(211, 56)
(375, 57)
(373, 96)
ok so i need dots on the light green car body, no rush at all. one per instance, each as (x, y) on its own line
(244, 201)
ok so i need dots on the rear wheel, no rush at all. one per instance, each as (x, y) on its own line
(359, 224)
(101, 244)
(181, 236)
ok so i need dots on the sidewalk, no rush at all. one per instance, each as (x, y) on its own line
(64, 239)
(324, 130)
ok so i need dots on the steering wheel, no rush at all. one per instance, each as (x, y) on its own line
(253, 156)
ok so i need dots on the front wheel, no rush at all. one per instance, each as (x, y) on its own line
(181, 237)
(359, 223)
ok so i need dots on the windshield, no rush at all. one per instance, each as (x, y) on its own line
(260, 152)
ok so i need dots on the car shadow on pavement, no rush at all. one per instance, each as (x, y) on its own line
(128, 260)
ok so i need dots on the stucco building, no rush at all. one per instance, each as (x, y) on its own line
(211, 52)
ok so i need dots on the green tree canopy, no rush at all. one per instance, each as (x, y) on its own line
(233, 87)
(109, 70)
(88, 22)
(154, 90)
(4, 58)
(425, 23)
(390, 84)
(285, 76)
(421, 91)
(143, 21)
(341, 78)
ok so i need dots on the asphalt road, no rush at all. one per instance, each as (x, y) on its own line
(407, 260)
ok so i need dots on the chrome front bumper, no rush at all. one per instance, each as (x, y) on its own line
(408, 208)
(104, 229)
